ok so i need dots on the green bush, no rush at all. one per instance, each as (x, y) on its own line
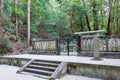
(13, 37)
(5, 46)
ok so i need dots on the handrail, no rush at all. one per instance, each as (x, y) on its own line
(58, 71)
(21, 69)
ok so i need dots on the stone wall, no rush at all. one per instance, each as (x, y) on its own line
(98, 71)
(13, 61)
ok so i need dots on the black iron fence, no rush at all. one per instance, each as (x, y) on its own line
(68, 47)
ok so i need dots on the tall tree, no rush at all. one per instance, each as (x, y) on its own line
(16, 19)
(87, 18)
(95, 18)
(28, 23)
(109, 18)
(5, 12)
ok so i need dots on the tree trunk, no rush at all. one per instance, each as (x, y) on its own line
(108, 25)
(71, 25)
(71, 18)
(87, 18)
(118, 28)
(1, 10)
(102, 22)
(109, 20)
(95, 24)
(16, 19)
(61, 35)
(28, 23)
(117, 19)
(81, 24)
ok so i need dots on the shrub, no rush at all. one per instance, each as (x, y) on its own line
(13, 37)
(5, 46)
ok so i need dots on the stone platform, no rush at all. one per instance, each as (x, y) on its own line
(108, 69)
(71, 59)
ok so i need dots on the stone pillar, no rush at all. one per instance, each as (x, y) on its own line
(96, 48)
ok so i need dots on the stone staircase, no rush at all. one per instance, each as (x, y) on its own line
(44, 69)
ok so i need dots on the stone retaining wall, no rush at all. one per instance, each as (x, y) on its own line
(98, 71)
(13, 61)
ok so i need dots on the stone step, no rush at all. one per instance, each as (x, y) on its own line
(41, 67)
(45, 63)
(36, 75)
(57, 62)
(38, 71)
(44, 69)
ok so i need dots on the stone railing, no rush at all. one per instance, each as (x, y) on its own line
(106, 44)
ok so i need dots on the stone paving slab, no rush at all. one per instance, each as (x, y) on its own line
(74, 77)
(9, 73)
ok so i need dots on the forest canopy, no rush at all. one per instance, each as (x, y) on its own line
(60, 17)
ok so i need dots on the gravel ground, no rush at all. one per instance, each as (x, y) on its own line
(9, 73)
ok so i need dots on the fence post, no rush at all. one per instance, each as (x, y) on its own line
(58, 46)
(79, 44)
(107, 44)
(33, 44)
(68, 47)
(33, 47)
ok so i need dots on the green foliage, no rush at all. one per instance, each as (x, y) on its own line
(56, 14)
(53, 16)
(5, 12)
(5, 46)
(5, 8)
(18, 12)
(13, 37)
(33, 30)
(8, 27)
